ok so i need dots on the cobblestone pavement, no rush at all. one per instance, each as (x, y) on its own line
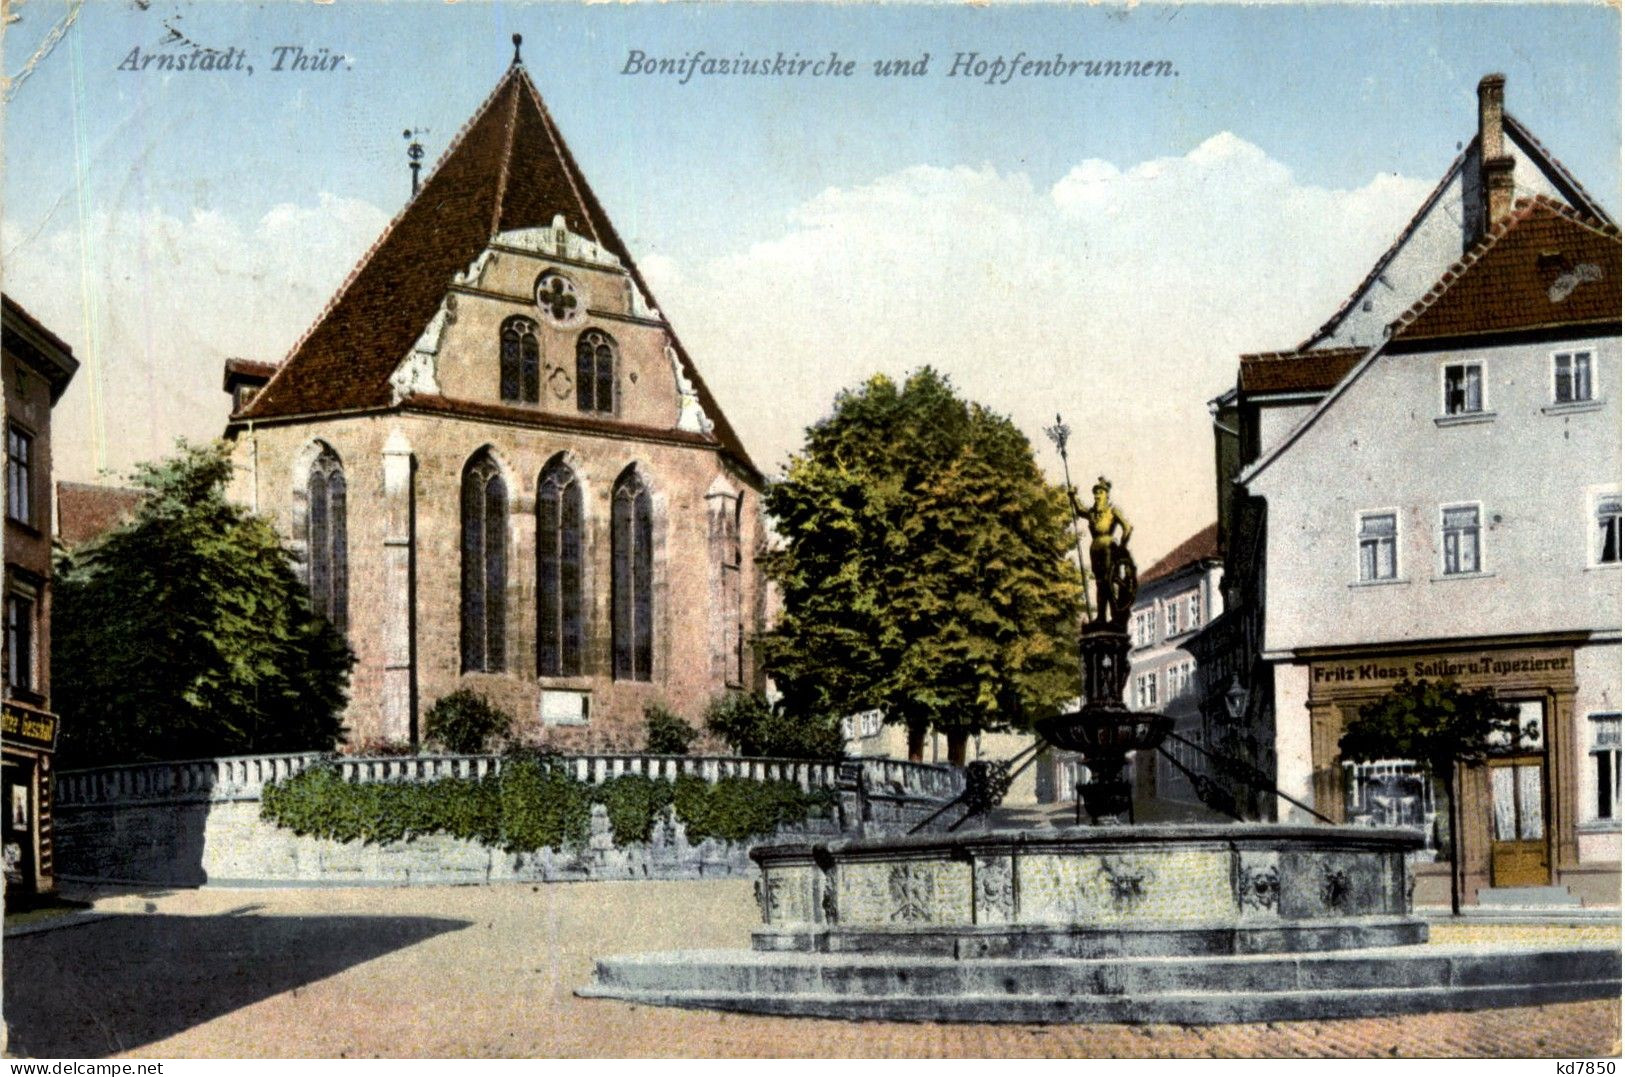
(482, 971)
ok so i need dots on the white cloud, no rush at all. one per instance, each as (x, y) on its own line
(173, 297)
(1120, 297)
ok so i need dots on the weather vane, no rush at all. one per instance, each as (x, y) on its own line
(414, 153)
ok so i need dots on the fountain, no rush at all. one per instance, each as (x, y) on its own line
(1108, 922)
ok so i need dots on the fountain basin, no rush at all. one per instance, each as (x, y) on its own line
(1092, 892)
(1188, 924)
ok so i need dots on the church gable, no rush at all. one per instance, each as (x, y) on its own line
(550, 323)
(426, 306)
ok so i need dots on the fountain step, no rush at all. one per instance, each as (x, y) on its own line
(1124, 939)
(1409, 979)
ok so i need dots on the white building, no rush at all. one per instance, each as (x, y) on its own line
(1178, 595)
(1448, 506)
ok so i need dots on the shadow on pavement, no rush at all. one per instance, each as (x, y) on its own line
(130, 980)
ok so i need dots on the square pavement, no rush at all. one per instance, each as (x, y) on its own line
(491, 971)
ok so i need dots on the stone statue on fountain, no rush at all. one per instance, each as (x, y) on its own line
(1103, 730)
(1116, 580)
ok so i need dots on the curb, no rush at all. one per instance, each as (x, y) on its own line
(57, 923)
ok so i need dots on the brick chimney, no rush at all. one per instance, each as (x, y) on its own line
(1495, 164)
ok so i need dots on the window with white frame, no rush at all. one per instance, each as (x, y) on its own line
(1605, 535)
(1193, 610)
(1142, 628)
(1379, 532)
(1463, 388)
(1461, 539)
(1605, 762)
(1389, 792)
(1171, 610)
(1145, 690)
(1571, 377)
(1179, 679)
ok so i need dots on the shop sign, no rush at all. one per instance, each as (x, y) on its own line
(27, 728)
(1489, 667)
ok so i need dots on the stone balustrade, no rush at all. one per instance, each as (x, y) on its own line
(233, 778)
(198, 821)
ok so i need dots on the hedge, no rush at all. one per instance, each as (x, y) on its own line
(532, 804)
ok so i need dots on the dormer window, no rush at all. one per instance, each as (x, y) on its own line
(559, 300)
(521, 361)
(595, 372)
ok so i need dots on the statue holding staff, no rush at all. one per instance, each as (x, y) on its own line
(1116, 580)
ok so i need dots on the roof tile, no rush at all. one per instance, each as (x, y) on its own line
(1546, 265)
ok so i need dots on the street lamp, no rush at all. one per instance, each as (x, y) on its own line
(1235, 699)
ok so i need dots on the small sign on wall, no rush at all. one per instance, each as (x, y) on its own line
(564, 707)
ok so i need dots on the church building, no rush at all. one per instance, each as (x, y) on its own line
(498, 466)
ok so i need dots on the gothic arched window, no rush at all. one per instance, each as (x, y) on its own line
(595, 372)
(631, 549)
(485, 565)
(521, 361)
(727, 606)
(326, 541)
(558, 572)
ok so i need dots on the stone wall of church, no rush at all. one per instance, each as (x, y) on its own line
(403, 476)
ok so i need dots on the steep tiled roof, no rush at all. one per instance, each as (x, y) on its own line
(1545, 266)
(1521, 136)
(248, 370)
(18, 310)
(26, 337)
(85, 511)
(1202, 546)
(507, 169)
(1283, 372)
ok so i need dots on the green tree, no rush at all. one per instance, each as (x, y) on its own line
(665, 733)
(465, 723)
(186, 632)
(924, 568)
(1439, 725)
(752, 726)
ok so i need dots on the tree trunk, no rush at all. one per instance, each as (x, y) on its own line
(1455, 843)
(916, 743)
(956, 748)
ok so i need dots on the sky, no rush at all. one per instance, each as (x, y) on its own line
(1102, 248)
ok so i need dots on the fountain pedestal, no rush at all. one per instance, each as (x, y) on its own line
(1104, 731)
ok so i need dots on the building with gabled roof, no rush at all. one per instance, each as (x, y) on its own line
(498, 465)
(1446, 508)
(36, 366)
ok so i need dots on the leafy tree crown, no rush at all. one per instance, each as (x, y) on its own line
(924, 566)
(667, 734)
(186, 631)
(1435, 722)
(466, 723)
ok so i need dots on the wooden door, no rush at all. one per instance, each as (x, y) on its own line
(1518, 847)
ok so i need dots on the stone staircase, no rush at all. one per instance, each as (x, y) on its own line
(1146, 990)
(1527, 897)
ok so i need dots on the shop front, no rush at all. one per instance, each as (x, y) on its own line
(1521, 816)
(27, 741)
